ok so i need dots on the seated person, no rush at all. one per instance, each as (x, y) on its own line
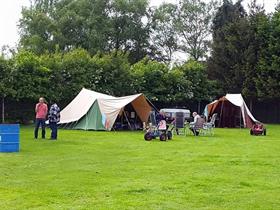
(160, 116)
(161, 121)
(192, 124)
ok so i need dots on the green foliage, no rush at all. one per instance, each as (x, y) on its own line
(230, 42)
(31, 79)
(150, 78)
(164, 38)
(268, 77)
(200, 87)
(193, 24)
(110, 74)
(6, 79)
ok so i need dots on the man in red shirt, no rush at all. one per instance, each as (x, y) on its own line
(41, 111)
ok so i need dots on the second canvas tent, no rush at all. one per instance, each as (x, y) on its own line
(231, 111)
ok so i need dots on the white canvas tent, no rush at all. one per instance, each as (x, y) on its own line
(232, 111)
(91, 110)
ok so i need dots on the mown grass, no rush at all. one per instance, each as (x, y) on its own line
(119, 170)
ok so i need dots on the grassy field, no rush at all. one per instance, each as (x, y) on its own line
(119, 170)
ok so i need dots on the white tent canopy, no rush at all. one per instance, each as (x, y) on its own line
(110, 107)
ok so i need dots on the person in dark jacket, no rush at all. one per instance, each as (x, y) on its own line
(54, 118)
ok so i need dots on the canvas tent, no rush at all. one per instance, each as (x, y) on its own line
(91, 110)
(231, 110)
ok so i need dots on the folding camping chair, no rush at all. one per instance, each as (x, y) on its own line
(198, 126)
(208, 127)
(179, 123)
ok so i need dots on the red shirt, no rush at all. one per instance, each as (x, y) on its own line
(41, 110)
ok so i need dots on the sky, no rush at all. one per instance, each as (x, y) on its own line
(10, 13)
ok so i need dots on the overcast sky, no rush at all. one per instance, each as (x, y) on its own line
(10, 11)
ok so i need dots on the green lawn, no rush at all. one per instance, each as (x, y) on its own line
(119, 170)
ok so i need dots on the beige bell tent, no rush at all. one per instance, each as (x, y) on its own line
(232, 111)
(91, 110)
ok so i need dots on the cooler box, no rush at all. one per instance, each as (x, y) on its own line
(9, 137)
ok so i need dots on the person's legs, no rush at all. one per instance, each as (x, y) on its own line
(53, 127)
(193, 130)
(43, 125)
(55, 131)
(37, 124)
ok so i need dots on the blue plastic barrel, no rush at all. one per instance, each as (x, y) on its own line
(9, 137)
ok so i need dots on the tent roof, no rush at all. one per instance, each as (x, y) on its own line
(110, 106)
(80, 105)
(235, 99)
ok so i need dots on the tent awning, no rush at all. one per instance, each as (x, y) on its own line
(109, 106)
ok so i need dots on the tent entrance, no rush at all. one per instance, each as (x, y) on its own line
(92, 120)
(229, 115)
(128, 119)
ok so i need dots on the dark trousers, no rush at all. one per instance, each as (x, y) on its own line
(53, 127)
(195, 132)
(40, 122)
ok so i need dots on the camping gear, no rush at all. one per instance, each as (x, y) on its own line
(161, 130)
(171, 113)
(232, 111)
(179, 123)
(208, 127)
(258, 129)
(198, 126)
(9, 137)
(91, 110)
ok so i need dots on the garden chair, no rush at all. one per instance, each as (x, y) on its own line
(208, 127)
(179, 123)
(198, 126)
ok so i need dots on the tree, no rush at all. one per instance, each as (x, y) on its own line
(110, 74)
(193, 23)
(231, 39)
(129, 33)
(149, 78)
(48, 25)
(164, 39)
(258, 22)
(6, 84)
(31, 78)
(268, 71)
(200, 87)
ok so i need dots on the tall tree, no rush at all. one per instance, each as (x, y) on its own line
(65, 24)
(193, 23)
(164, 38)
(231, 39)
(129, 33)
(258, 21)
(268, 75)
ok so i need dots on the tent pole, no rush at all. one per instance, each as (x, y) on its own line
(127, 120)
(240, 117)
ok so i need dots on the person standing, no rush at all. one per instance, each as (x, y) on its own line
(54, 118)
(41, 111)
